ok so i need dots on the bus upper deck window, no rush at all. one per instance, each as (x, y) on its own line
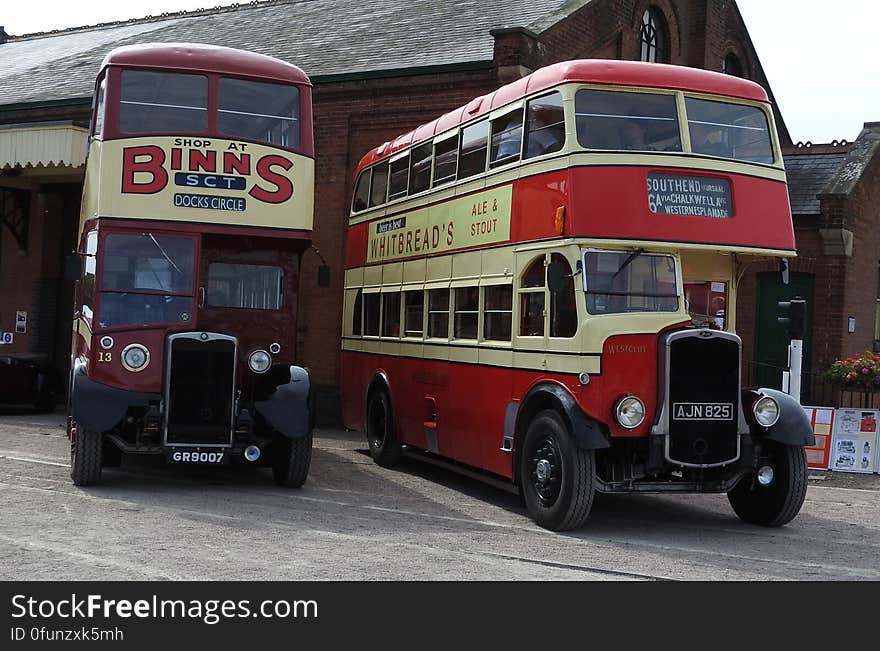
(163, 102)
(472, 152)
(445, 160)
(399, 181)
(362, 192)
(506, 138)
(624, 121)
(98, 118)
(729, 130)
(545, 132)
(420, 168)
(379, 185)
(259, 111)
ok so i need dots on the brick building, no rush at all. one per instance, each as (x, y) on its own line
(834, 191)
(377, 73)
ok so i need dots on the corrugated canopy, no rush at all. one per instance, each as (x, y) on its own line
(43, 145)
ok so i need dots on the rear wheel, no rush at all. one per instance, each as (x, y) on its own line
(86, 449)
(384, 446)
(558, 478)
(778, 502)
(290, 467)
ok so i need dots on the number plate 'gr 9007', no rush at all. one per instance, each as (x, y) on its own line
(702, 411)
(209, 457)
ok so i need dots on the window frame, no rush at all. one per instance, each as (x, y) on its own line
(679, 283)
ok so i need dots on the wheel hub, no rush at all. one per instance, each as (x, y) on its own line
(546, 471)
(543, 470)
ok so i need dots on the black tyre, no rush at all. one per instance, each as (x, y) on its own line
(558, 478)
(290, 467)
(384, 446)
(779, 502)
(85, 456)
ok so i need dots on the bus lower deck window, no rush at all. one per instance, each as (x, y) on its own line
(438, 313)
(467, 303)
(497, 312)
(413, 313)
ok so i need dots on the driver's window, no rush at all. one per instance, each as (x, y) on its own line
(563, 308)
(88, 290)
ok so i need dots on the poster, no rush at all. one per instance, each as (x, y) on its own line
(854, 443)
(822, 422)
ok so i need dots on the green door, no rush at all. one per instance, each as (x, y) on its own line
(771, 337)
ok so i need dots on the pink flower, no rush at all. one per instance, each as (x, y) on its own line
(865, 371)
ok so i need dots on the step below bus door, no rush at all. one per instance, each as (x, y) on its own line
(429, 425)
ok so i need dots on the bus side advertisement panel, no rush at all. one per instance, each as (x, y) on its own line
(474, 220)
(205, 180)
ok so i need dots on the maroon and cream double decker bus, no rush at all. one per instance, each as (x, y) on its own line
(542, 285)
(196, 211)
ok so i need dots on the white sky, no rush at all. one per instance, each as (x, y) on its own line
(816, 53)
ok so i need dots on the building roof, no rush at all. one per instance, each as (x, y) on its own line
(323, 37)
(832, 169)
(808, 174)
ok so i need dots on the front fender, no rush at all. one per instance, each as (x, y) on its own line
(97, 407)
(793, 426)
(589, 434)
(290, 409)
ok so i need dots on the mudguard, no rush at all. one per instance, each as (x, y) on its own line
(793, 426)
(589, 434)
(289, 410)
(97, 407)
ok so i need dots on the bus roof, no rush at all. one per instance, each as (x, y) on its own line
(198, 57)
(587, 71)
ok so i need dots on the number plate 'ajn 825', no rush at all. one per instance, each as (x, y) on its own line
(702, 411)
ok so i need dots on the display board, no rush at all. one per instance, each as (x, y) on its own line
(854, 443)
(822, 422)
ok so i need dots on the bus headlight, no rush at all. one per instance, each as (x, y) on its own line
(766, 411)
(629, 412)
(259, 361)
(135, 357)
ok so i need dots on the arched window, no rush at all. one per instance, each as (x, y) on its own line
(732, 66)
(654, 37)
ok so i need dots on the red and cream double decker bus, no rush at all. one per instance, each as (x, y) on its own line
(542, 285)
(197, 208)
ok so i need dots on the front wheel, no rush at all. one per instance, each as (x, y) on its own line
(778, 502)
(558, 478)
(385, 448)
(86, 449)
(292, 460)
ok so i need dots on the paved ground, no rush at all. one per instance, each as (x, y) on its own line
(355, 520)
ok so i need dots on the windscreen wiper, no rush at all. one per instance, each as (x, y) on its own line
(162, 251)
(632, 256)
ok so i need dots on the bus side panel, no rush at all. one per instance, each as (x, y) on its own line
(474, 415)
(536, 200)
(410, 384)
